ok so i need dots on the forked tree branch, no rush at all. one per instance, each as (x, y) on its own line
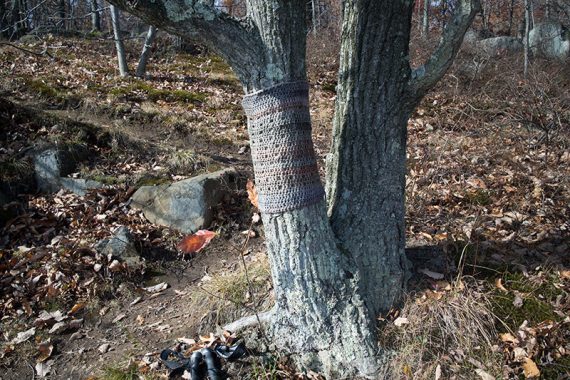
(237, 41)
(426, 76)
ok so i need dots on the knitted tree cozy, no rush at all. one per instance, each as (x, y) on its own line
(284, 162)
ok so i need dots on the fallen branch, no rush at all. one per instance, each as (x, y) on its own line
(42, 53)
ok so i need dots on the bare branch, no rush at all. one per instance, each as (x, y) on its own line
(426, 76)
(237, 41)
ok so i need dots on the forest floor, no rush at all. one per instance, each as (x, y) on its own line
(488, 217)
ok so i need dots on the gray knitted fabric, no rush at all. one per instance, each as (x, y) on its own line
(284, 162)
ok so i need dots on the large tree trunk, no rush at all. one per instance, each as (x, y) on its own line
(327, 290)
(149, 39)
(121, 55)
(366, 170)
(319, 314)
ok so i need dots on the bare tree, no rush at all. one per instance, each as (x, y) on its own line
(527, 10)
(332, 272)
(425, 20)
(149, 39)
(95, 16)
(121, 55)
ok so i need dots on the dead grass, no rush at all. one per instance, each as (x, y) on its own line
(455, 333)
(228, 297)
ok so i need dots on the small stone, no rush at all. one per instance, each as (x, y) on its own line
(105, 347)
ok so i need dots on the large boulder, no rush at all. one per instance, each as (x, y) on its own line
(550, 40)
(185, 205)
(500, 45)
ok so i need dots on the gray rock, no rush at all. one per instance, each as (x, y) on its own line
(79, 186)
(53, 162)
(185, 205)
(550, 40)
(120, 245)
(500, 45)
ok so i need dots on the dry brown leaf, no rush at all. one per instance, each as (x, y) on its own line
(252, 193)
(196, 242)
(499, 285)
(530, 369)
(77, 307)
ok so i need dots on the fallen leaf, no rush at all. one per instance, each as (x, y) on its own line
(104, 348)
(499, 285)
(431, 274)
(438, 372)
(518, 301)
(530, 369)
(58, 328)
(252, 193)
(194, 243)
(484, 375)
(77, 307)
(136, 300)
(119, 317)
(508, 338)
(400, 321)
(24, 335)
(45, 349)
(187, 341)
(43, 369)
(139, 320)
(157, 288)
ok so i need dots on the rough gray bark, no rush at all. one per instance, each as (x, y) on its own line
(121, 56)
(149, 39)
(329, 285)
(366, 167)
(95, 16)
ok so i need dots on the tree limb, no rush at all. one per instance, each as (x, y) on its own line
(237, 41)
(426, 76)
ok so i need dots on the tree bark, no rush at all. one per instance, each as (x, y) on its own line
(366, 169)
(121, 56)
(527, 10)
(367, 165)
(95, 16)
(149, 39)
(62, 14)
(425, 22)
(329, 280)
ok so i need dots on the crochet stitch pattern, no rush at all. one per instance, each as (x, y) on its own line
(284, 162)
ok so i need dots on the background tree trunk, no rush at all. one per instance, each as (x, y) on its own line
(527, 6)
(62, 14)
(149, 39)
(95, 16)
(121, 56)
(425, 21)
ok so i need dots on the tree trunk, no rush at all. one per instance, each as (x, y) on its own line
(527, 6)
(366, 169)
(149, 39)
(95, 16)
(62, 15)
(3, 19)
(425, 22)
(511, 14)
(121, 56)
(319, 314)
(328, 288)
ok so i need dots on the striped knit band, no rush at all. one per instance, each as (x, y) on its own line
(284, 162)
